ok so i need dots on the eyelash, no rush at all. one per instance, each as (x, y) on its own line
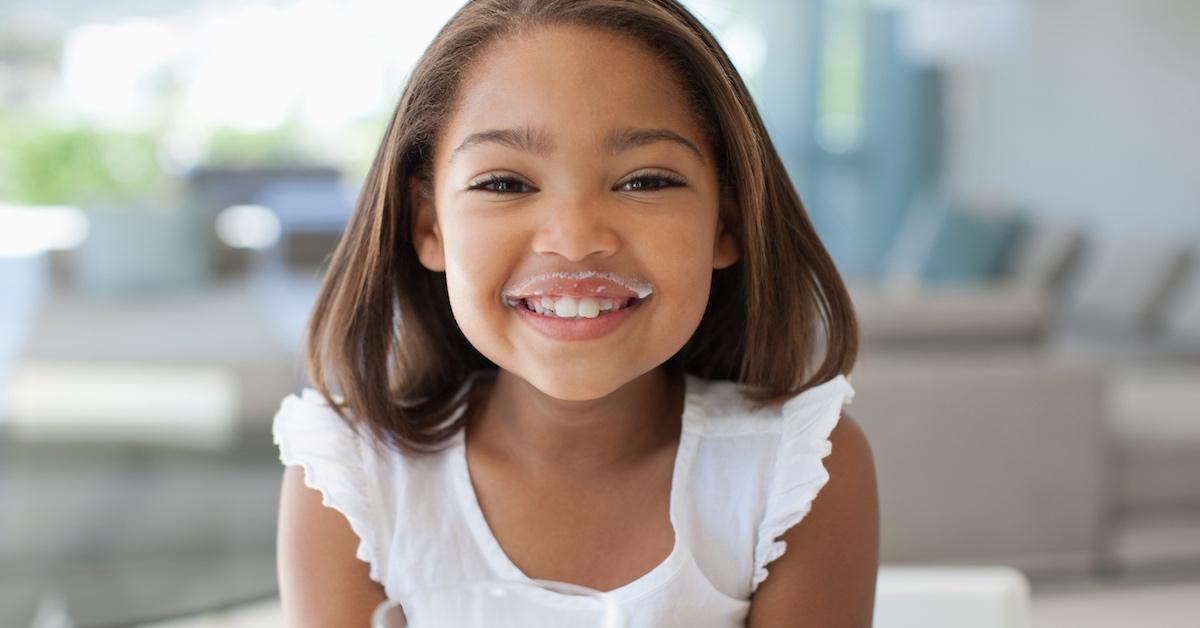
(662, 179)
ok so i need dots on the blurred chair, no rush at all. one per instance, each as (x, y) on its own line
(951, 597)
(1156, 426)
(1181, 316)
(1117, 308)
(1135, 310)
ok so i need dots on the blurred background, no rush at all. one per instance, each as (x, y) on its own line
(1008, 185)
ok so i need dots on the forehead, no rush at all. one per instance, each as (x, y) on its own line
(577, 82)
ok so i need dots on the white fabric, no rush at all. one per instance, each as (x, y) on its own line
(741, 478)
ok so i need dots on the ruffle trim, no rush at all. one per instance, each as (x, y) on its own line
(311, 435)
(799, 471)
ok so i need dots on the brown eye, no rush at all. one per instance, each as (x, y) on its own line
(651, 182)
(500, 185)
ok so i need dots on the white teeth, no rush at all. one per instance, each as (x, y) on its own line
(589, 307)
(566, 307)
(571, 307)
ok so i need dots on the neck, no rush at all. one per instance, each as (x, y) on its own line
(545, 437)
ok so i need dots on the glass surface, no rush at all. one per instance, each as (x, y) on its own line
(503, 604)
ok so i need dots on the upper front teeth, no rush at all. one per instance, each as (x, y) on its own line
(570, 307)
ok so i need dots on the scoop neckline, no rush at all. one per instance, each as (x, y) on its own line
(503, 566)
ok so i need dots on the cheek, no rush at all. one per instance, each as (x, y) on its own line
(682, 251)
(679, 257)
(471, 254)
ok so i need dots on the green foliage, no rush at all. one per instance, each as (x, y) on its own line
(55, 162)
(280, 146)
(48, 162)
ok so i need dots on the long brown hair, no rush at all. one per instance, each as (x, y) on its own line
(383, 334)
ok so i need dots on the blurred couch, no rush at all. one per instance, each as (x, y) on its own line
(993, 456)
(1029, 409)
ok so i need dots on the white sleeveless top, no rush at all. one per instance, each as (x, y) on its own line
(741, 479)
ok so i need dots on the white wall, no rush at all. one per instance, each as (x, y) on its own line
(1094, 116)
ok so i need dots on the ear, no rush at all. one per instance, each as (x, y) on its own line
(726, 249)
(426, 235)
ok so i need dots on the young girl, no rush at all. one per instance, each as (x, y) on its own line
(580, 328)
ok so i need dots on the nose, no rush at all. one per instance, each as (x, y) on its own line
(575, 228)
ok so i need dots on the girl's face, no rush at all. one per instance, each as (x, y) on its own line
(545, 188)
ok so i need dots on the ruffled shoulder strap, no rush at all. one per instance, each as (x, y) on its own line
(798, 472)
(336, 460)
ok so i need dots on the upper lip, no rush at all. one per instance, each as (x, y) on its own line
(580, 284)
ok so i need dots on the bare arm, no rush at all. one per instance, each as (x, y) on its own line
(321, 582)
(826, 577)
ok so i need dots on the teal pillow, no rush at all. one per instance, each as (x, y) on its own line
(973, 246)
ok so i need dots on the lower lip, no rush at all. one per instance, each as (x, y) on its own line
(577, 328)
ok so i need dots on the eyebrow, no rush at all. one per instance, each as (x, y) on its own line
(524, 139)
(538, 142)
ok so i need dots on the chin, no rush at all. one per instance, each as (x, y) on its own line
(583, 383)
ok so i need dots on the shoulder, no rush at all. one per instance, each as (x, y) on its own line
(325, 583)
(831, 561)
(332, 471)
(850, 452)
(851, 491)
(326, 494)
(790, 462)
